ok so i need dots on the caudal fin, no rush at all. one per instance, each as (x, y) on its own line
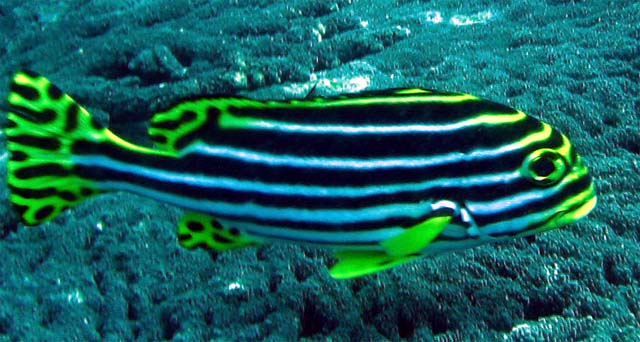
(43, 126)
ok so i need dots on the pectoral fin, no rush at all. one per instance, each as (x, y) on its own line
(397, 250)
(354, 264)
(417, 237)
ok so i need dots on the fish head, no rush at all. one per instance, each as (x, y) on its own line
(550, 188)
(560, 176)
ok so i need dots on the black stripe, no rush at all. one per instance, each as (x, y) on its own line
(568, 191)
(549, 219)
(158, 139)
(221, 239)
(46, 169)
(398, 113)
(224, 167)
(45, 143)
(208, 128)
(206, 165)
(466, 238)
(54, 92)
(40, 117)
(18, 156)
(186, 116)
(382, 114)
(27, 92)
(296, 239)
(43, 193)
(322, 226)
(44, 212)
(453, 193)
(374, 145)
(10, 124)
(67, 196)
(33, 193)
(233, 168)
(315, 225)
(71, 123)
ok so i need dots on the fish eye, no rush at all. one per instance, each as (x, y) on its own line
(544, 167)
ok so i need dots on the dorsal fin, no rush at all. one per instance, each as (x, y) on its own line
(181, 125)
(173, 129)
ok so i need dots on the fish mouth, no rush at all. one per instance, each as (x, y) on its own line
(567, 216)
(570, 213)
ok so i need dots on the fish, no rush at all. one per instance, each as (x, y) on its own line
(380, 178)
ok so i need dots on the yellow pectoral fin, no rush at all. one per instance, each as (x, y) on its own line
(417, 237)
(204, 231)
(398, 250)
(354, 264)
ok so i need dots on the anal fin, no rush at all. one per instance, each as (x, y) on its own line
(198, 230)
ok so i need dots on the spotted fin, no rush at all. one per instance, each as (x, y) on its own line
(43, 125)
(197, 230)
(171, 130)
(397, 250)
(181, 125)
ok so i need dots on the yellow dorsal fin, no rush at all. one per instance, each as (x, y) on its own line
(176, 127)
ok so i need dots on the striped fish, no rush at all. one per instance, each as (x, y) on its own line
(380, 177)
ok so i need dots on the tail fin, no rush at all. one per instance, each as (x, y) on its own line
(43, 125)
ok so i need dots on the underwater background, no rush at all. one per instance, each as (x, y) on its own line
(111, 268)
